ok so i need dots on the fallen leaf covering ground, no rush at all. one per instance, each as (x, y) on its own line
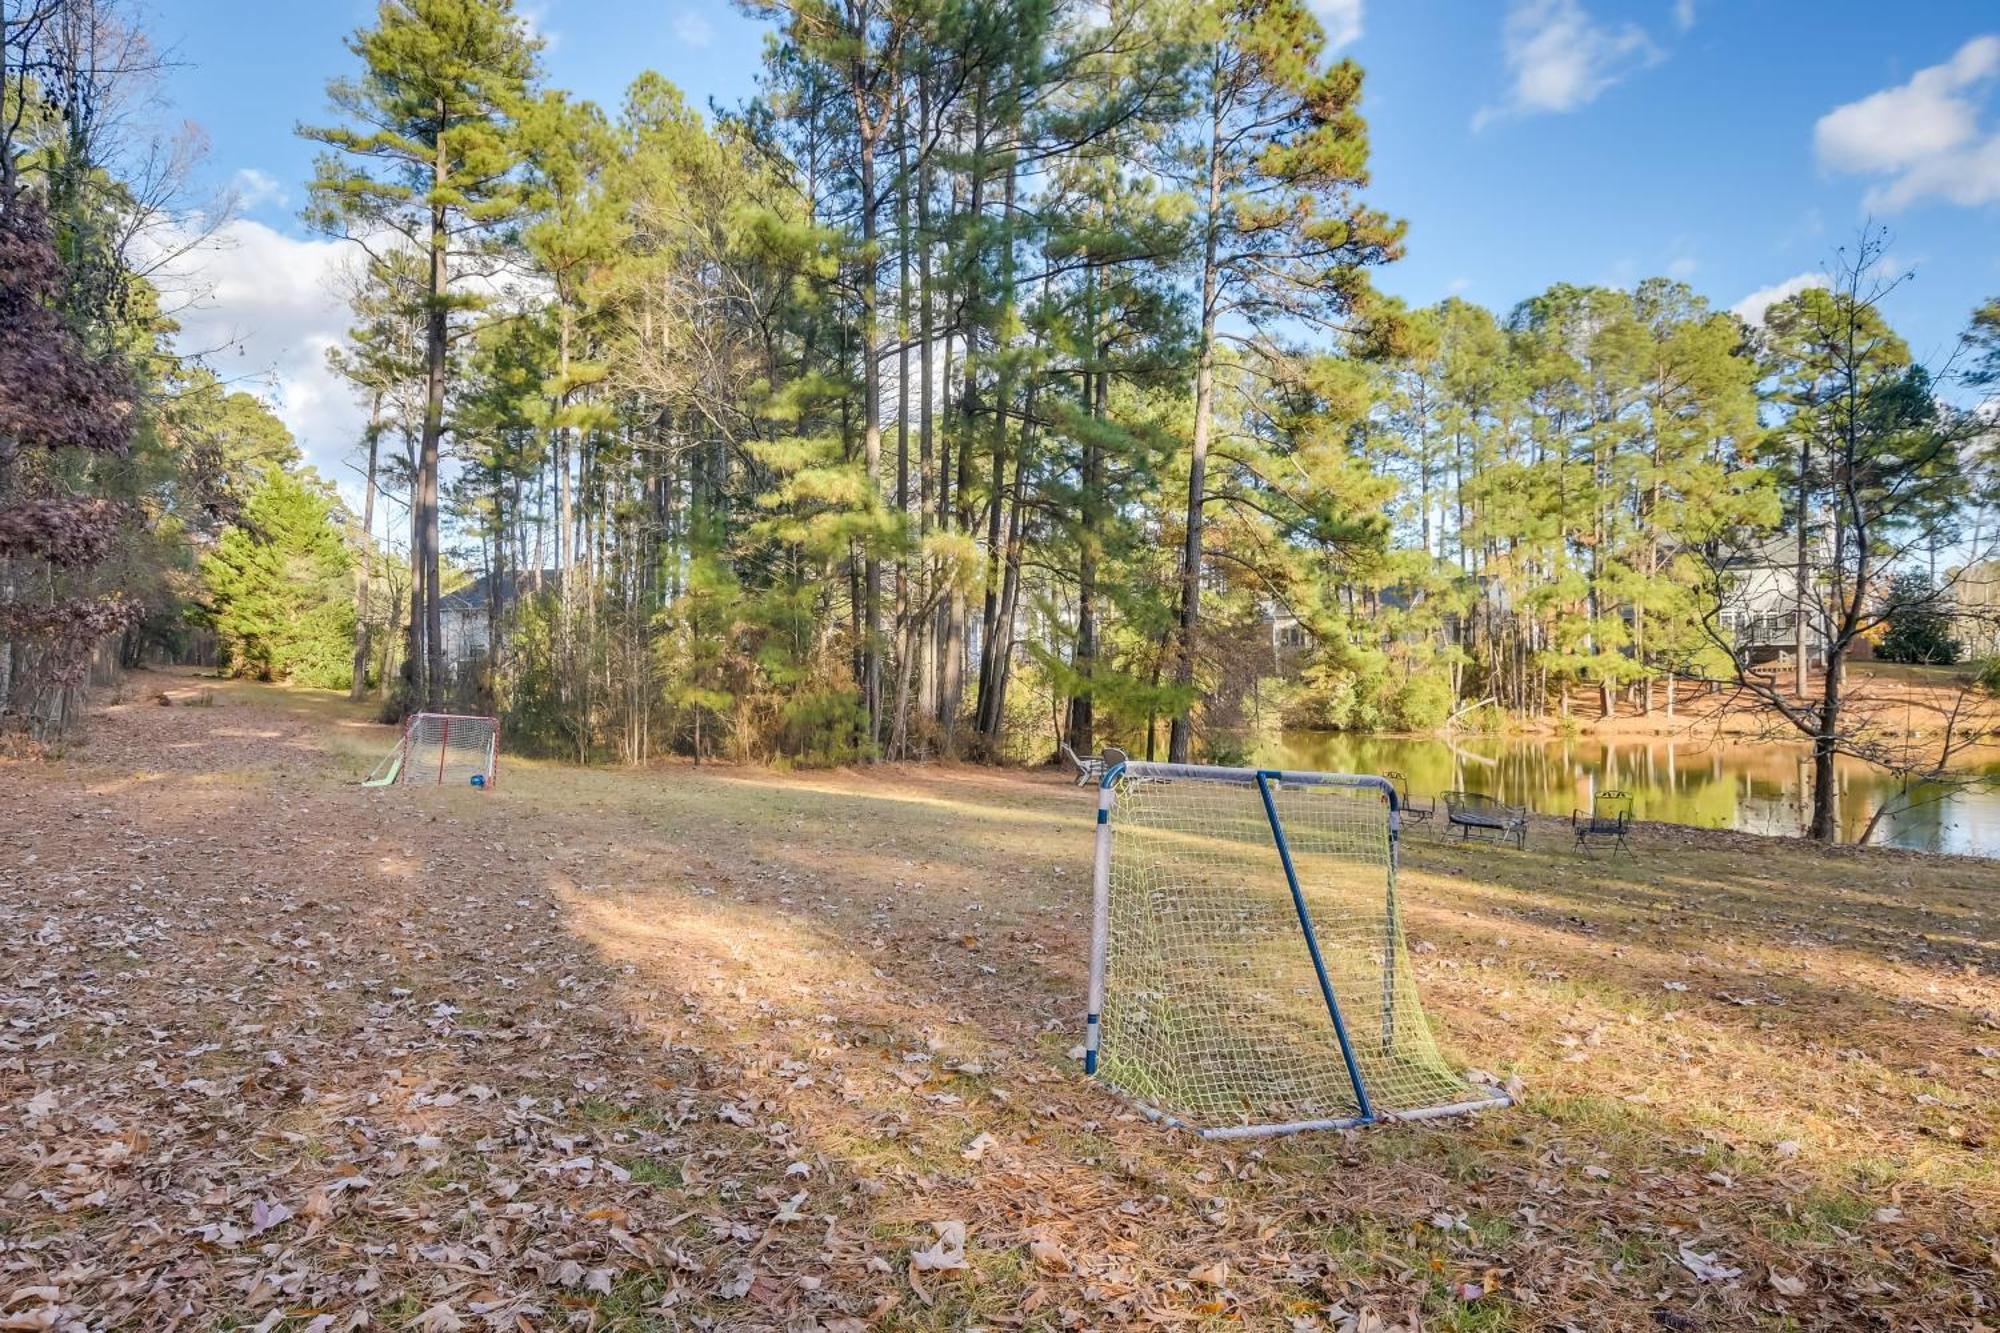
(722, 1049)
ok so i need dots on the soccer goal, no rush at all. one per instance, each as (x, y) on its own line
(437, 748)
(1248, 975)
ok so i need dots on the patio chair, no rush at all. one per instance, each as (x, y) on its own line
(1413, 813)
(1472, 812)
(1607, 822)
(1089, 768)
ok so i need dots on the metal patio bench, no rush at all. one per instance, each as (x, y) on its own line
(1472, 812)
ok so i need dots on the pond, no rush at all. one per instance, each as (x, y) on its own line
(1757, 788)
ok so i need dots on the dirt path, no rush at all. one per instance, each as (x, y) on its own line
(735, 1050)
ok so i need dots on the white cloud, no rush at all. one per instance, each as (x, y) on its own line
(692, 28)
(535, 18)
(254, 189)
(263, 308)
(1683, 267)
(1752, 307)
(1923, 136)
(1340, 18)
(1684, 14)
(1561, 58)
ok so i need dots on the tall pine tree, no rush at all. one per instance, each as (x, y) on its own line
(1275, 162)
(429, 159)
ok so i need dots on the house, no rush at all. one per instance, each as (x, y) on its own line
(1761, 598)
(465, 617)
(1288, 632)
(1975, 608)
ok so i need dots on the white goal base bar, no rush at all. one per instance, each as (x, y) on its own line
(440, 748)
(1223, 1133)
(1248, 973)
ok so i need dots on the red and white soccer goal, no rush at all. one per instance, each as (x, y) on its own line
(437, 748)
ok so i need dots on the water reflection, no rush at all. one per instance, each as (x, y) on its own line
(1756, 788)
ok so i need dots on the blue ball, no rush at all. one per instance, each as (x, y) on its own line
(479, 779)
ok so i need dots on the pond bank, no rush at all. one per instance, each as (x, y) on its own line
(1703, 781)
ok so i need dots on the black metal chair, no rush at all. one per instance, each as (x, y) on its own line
(1412, 812)
(1472, 812)
(1607, 823)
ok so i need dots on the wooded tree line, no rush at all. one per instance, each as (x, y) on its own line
(957, 388)
(1002, 373)
(1600, 489)
(1592, 469)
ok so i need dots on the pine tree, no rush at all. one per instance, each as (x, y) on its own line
(863, 40)
(383, 362)
(1982, 339)
(431, 157)
(1698, 425)
(1279, 152)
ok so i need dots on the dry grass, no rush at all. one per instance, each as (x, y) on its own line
(725, 1049)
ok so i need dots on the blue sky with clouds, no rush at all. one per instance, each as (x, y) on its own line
(1732, 143)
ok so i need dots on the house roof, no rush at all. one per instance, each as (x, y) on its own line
(1773, 550)
(476, 595)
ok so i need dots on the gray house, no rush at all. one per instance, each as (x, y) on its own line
(1761, 599)
(1975, 607)
(465, 614)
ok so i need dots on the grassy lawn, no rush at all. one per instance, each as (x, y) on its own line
(1963, 673)
(735, 1049)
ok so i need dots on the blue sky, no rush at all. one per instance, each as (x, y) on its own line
(1731, 143)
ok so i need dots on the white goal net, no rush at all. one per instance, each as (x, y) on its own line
(441, 748)
(1248, 973)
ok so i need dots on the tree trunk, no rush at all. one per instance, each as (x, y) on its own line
(1424, 462)
(990, 643)
(993, 697)
(435, 332)
(1825, 797)
(1801, 592)
(1082, 706)
(927, 683)
(871, 431)
(946, 686)
(951, 694)
(415, 652)
(1180, 737)
(905, 631)
(358, 688)
(496, 579)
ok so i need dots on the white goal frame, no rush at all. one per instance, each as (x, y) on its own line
(1398, 1076)
(426, 753)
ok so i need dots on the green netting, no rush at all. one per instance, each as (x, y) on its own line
(1212, 1012)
